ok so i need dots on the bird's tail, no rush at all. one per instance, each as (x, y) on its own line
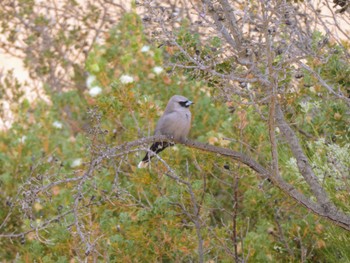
(156, 148)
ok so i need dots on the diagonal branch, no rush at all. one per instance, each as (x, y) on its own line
(323, 207)
(219, 25)
(302, 161)
(329, 209)
(229, 13)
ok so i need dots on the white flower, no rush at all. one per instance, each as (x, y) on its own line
(305, 106)
(157, 70)
(76, 163)
(292, 164)
(320, 142)
(145, 49)
(23, 139)
(90, 80)
(99, 40)
(175, 148)
(57, 124)
(94, 91)
(316, 104)
(125, 79)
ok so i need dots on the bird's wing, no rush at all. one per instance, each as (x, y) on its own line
(174, 124)
(167, 124)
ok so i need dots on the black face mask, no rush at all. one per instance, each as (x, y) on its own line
(186, 103)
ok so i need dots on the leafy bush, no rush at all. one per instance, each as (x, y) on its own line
(116, 212)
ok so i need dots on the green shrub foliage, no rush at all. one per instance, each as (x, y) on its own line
(56, 207)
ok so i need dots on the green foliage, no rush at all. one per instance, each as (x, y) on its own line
(336, 251)
(143, 215)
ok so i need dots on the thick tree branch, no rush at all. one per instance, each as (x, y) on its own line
(323, 207)
(219, 25)
(329, 209)
(302, 161)
(234, 29)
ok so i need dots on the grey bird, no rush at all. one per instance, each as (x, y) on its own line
(175, 122)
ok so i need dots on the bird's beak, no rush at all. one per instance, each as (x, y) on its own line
(188, 103)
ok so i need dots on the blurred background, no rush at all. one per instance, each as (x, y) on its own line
(80, 78)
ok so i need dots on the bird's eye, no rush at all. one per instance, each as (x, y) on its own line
(185, 104)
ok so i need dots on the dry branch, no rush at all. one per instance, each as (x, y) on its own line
(322, 207)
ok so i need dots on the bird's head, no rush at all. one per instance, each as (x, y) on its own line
(178, 102)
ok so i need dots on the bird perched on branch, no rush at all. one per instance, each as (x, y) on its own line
(175, 122)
